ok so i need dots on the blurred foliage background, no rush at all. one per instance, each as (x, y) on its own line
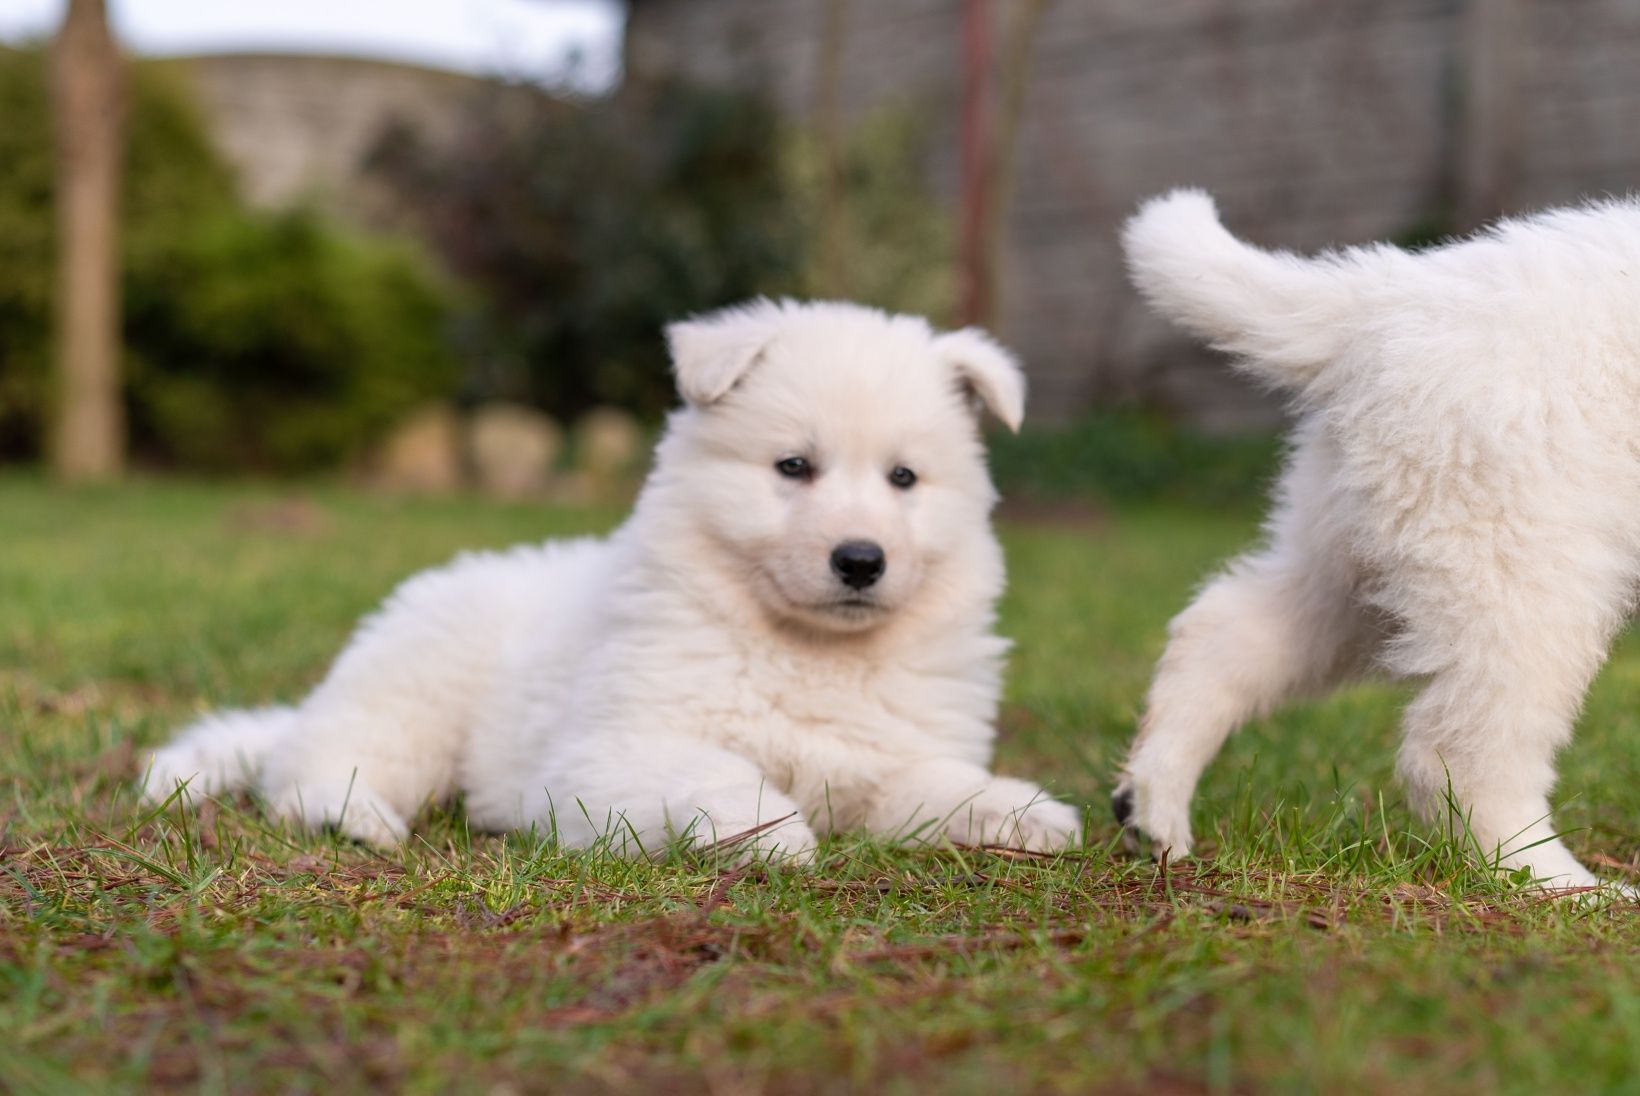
(254, 340)
(585, 227)
(1130, 455)
(535, 260)
(361, 257)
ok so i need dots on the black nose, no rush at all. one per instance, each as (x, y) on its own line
(858, 563)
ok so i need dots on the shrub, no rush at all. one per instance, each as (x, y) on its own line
(277, 342)
(1127, 455)
(253, 340)
(586, 227)
(896, 243)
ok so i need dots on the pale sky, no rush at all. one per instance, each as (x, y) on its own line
(522, 38)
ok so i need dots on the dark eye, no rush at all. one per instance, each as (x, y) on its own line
(902, 477)
(797, 468)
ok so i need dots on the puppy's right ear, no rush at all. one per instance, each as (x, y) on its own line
(711, 353)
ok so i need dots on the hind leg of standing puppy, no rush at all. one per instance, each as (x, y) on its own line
(1277, 623)
(1267, 630)
(1512, 654)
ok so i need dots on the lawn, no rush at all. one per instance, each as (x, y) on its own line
(1323, 940)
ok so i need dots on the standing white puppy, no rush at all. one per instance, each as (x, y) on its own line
(793, 631)
(1461, 504)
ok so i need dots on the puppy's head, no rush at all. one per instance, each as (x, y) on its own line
(830, 454)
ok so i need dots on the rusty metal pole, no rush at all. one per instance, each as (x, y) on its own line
(1013, 73)
(829, 124)
(974, 199)
(1491, 143)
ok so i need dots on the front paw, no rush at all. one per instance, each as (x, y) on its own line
(741, 830)
(789, 842)
(1150, 821)
(1017, 815)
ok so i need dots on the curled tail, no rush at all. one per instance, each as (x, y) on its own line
(220, 753)
(1285, 316)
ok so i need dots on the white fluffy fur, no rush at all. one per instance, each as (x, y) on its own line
(1461, 505)
(700, 673)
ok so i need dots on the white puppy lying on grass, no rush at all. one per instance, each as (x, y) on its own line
(791, 635)
(1461, 505)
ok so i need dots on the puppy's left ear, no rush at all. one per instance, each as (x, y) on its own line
(988, 371)
(711, 353)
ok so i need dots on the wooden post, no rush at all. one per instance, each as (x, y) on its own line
(88, 93)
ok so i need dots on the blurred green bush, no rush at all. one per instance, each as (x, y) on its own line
(888, 243)
(277, 341)
(1126, 455)
(26, 235)
(255, 341)
(586, 226)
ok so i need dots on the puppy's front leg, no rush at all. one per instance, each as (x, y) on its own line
(963, 802)
(637, 795)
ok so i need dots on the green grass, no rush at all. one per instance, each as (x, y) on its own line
(1324, 940)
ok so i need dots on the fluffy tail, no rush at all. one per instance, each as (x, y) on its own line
(1286, 317)
(221, 753)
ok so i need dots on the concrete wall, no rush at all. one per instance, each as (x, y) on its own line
(1315, 122)
(299, 128)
